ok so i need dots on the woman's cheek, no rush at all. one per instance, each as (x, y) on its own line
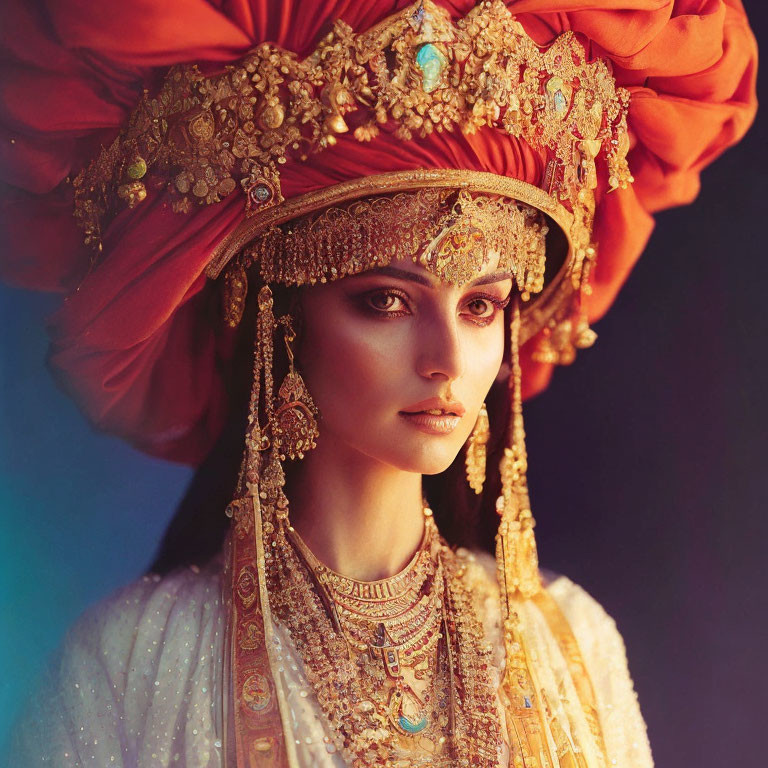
(377, 364)
(353, 377)
(483, 355)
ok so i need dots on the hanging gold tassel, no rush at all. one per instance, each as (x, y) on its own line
(528, 713)
(254, 699)
(475, 458)
(517, 564)
(521, 562)
(272, 477)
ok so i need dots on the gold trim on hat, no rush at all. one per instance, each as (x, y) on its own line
(535, 314)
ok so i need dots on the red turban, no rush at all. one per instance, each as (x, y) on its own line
(137, 344)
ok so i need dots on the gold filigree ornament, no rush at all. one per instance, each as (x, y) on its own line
(202, 138)
(399, 667)
(294, 425)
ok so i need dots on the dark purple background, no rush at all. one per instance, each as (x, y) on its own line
(648, 467)
(647, 477)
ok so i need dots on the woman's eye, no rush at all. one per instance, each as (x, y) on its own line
(483, 309)
(386, 302)
(480, 307)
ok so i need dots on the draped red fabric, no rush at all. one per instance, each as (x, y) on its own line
(138, 345)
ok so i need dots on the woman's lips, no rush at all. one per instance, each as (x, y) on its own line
(435, 416)
(436, 404)
(434, 423)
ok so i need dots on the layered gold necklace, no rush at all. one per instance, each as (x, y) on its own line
(399, 666)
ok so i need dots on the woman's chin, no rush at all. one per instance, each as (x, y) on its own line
(426, 459)
(408, 450)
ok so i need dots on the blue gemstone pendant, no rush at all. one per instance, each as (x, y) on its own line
(410, 727)
(398, 705)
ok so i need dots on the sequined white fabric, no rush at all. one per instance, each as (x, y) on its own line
(137, 683)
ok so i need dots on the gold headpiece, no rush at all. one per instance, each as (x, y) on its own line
(202, 138)
(452, 234)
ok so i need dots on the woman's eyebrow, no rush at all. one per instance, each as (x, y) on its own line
(491, 277)
(415, 277)
(403, 274)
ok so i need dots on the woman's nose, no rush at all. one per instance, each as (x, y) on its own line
(440, 352)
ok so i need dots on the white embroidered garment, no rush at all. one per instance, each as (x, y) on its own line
(138, 681)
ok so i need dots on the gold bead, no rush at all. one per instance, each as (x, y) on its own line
(133, 193)
(272, 117)
(336, 124)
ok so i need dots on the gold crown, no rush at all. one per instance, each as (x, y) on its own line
(202, 138)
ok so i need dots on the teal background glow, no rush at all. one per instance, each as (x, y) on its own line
(80, 513)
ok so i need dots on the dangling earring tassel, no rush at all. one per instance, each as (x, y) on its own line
(476, 451)
(517, 565)
(272, 477)
(294, 426)
(249, 645)
(521, 562)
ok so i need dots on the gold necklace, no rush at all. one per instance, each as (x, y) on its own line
(397, 622)
(396, 609)
(398, 666)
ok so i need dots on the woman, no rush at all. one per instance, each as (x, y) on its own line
(403, 184)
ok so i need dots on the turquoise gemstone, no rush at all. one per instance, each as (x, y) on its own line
(410, 727)
(560, 103)
(431, 63)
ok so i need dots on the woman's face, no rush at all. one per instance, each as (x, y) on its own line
(399, 363)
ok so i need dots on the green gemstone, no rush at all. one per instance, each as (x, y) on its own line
(137, 168)
(431, 62)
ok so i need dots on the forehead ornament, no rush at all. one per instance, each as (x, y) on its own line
(452, 233)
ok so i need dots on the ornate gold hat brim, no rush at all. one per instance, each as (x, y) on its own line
(536, 313)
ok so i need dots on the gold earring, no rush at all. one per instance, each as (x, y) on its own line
(476, 451)
(261, 468)
(294, 426)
